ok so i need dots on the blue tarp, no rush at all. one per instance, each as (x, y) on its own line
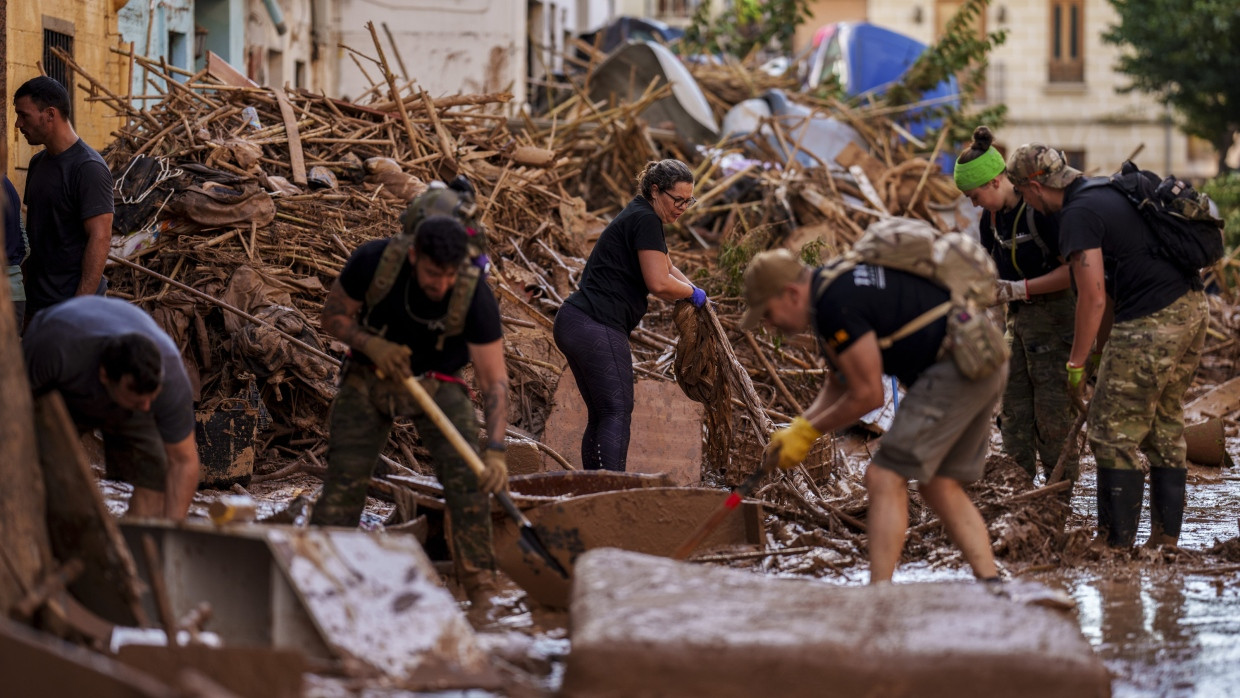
(867, 58)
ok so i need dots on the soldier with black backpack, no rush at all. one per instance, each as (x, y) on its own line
(414, 305)
(1124, 275)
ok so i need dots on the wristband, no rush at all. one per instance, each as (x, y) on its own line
(1075, 374)
(497, 446)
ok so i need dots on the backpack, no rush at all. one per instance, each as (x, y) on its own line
(954, 261)
(1189, 234)
(455, 200)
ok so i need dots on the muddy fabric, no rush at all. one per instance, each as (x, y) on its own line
(601, 361)
(133, 452)
(360, 420)
(1146, 367)
(215, 205)
(942, 428)
(1035, 413)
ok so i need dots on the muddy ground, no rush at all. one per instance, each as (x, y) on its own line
(1165, 624)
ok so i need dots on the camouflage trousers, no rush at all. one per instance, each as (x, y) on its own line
(360, 421)
(1035, 413)
(1148, 364)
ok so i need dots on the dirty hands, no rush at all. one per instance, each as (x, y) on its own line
(1008, 291)
(698, 299)
(391, 359)
(495, 478)
(789, 446)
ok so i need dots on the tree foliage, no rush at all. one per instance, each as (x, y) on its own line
(749, 25)
(1187, 54)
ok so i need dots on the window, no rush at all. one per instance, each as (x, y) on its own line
(676, 8)
(1067, 49)
(299, 74)
(58, 33)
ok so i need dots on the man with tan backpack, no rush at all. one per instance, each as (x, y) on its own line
(905, 302)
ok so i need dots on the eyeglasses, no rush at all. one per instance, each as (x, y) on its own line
(679, 202)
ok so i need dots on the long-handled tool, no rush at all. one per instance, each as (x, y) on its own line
(529, 536)
(732, 502)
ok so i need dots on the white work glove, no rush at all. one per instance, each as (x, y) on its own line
(1008, 291)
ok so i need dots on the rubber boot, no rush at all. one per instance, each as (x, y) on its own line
(1119, 505)
(1167, 487)
(481, 588)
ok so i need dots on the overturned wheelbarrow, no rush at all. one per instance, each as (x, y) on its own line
(648, 520)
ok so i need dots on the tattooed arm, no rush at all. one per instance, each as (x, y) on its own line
(492, 375)
(1091, 302)
(339, 317)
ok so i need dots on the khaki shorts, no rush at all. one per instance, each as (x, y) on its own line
(942, 426)
(133, 452)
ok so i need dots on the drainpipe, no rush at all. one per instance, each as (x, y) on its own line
(277, 17)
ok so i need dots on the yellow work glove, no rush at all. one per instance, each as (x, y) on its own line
(391, 359)
(790, 445)
(495, 478)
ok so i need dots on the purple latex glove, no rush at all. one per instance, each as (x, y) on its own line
(698, 298)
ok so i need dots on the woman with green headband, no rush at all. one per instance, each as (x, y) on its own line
(1035, 413)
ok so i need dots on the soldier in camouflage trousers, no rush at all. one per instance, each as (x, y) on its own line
(1035, 413)
(404, 334)
(1160, 318)
(360, 421)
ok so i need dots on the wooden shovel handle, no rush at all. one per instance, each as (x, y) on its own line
(445, 425)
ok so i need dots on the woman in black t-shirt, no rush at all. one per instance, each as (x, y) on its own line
(629, 262)
(1035, 414)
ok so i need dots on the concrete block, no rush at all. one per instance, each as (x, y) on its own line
(648, 626)
(666, 430)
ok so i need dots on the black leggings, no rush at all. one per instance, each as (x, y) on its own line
(602, 364)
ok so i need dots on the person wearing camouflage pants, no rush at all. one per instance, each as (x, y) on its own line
(1035, 413)
(1158, 331)
(414, 329)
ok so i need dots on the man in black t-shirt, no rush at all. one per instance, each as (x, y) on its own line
(1154, 347)
(398, 338)
(68, 200)
(940, 434)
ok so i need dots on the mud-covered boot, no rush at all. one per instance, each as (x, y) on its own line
(481, 589)
(1167, 487)
(1119, 505)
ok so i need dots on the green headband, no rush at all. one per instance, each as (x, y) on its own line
(980, 170)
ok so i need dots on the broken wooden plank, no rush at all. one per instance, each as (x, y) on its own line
(223, 71)
(297, 159)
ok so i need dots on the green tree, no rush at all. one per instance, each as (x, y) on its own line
(1187, 54)
(748, 25)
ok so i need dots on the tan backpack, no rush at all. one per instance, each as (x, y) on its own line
(954, 261)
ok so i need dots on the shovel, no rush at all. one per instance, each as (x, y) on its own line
(732, 502)
(530, 542)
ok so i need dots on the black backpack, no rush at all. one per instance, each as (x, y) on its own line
(1189, 235)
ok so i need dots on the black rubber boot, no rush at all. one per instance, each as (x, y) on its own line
(1167, 487)
(1119, 505)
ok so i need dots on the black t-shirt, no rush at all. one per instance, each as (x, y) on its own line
(612, 289)
(62, 191)
(1031, 261)
(875, 299)
(1138, 280)
(407, 316)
